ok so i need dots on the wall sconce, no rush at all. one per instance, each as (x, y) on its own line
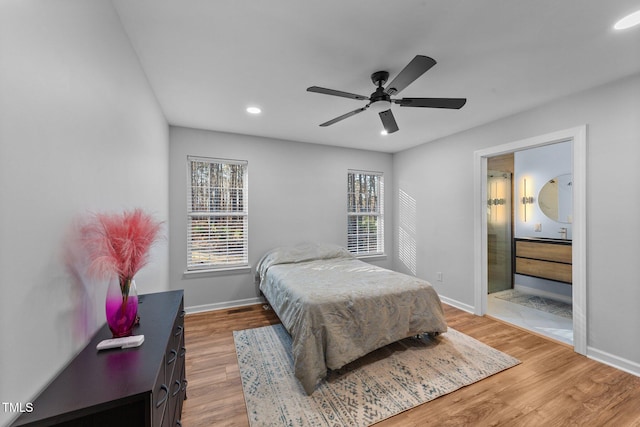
(526, 200)
(496, 202)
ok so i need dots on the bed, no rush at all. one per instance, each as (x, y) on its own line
(337, 308)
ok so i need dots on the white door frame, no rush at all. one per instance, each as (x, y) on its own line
(578, 136)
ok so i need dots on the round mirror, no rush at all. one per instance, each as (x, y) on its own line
(556, 198)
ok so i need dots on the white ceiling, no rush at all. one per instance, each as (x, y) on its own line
(208, 60)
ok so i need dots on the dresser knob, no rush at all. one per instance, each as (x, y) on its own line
(172, 359)
(164, 398)
(178, 331)
(177, 389)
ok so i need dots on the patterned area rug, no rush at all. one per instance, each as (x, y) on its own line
(548, 305)
(382, 384)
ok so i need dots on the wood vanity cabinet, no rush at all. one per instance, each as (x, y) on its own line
(546, 259)
(142, 386)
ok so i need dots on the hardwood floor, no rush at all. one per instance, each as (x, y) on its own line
(553, 386)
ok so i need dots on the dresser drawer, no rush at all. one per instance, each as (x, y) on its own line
(176, 342)
(544, 269)
(178, 389)
(175, 371)
(544, 251)
(160, 395)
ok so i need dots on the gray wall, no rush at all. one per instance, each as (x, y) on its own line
(438, 178)
(538, 165)
(80, 131)
(297, 193)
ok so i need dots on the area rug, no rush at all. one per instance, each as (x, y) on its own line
(547, 305)
(384, 383)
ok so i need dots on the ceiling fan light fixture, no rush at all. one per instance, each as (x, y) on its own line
(380, 106)
(628, 21)
(380, 101)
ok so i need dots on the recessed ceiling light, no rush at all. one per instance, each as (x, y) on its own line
(628, 21)
(384, 132)
(254, 110)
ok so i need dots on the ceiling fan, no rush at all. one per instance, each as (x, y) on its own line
(380, 101)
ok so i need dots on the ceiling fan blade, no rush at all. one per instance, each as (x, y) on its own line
(454, 103)
(388, 121)
(318, 89)
(414, 69)
(344, 116)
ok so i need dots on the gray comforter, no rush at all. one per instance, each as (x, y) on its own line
(338, 308)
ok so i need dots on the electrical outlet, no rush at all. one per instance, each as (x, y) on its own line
(439, 276)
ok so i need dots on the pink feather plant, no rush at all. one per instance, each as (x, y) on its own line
(119, 244)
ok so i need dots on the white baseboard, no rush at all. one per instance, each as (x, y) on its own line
(259, 300)
(614, 361)
(592, 353)
(457, 304)
(224, 305)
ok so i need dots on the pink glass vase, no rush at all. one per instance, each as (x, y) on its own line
(121, 307)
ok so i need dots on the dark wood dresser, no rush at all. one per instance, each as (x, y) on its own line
(143, 386)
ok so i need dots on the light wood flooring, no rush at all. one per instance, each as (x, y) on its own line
(553, 386)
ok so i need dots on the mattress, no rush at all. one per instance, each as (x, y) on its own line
(337, 308)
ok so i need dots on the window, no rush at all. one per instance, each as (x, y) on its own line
(217, 232)
(365, 213)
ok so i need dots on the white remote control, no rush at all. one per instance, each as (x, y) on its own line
(124, 342)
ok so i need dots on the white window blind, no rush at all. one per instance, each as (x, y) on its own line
(217, 215)
(365, 213)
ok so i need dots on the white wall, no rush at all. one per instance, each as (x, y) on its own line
(297, 193)
(80, 131)
(439, 177)
(539, 165)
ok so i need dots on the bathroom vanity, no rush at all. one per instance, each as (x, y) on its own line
(544, 258)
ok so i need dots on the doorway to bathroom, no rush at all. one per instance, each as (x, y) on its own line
(529, 283)
(489, 227)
